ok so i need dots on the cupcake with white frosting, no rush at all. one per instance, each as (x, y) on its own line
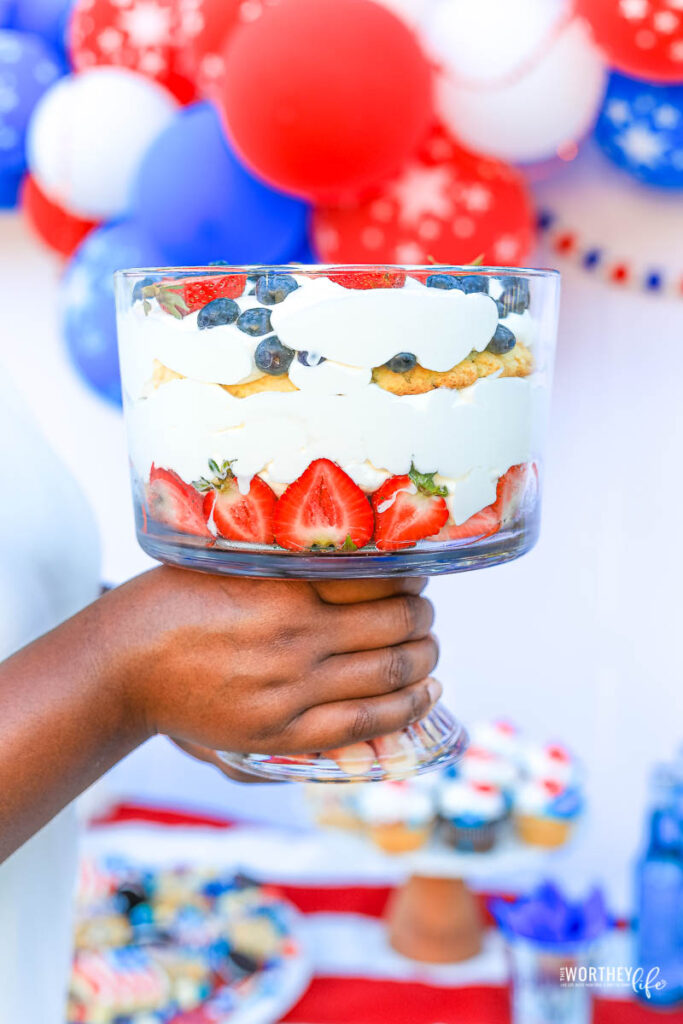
(549, 761)
(482, 765)
(397, 816)
(545, 811)
(472, 814)
(499, 736)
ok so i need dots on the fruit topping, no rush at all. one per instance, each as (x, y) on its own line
(402, 362)
(444, 281)
(515, 296)
(137, 295)
(407, 509)
(255, 322)
(310, 358)
(173, 502)
(182, 295)
(474, 283)
(237, 516)
(323, 508)
(217, 313)
(502, 341)
(364, 280)
(273, 357)
(274, 288)
(509, 494)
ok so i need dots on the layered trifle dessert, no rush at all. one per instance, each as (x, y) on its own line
(389, 416)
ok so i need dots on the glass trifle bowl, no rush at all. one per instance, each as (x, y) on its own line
(332, 422)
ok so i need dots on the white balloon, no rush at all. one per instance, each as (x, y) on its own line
(412, 12)
(88, 135)
(520, 80)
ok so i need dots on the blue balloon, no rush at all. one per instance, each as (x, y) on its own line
(46, 18)
(87, 316)
(6, 13)
(305, 253)
(10, 183)
(27, 68)
(199, 203)
(640, 128)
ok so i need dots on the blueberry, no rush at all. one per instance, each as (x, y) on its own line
(273, 288)
(445, 281)
(217, 313)
(218, 263)
(502, 341)
(137, 295)
(514, 297)
(402, 362)
(272, 357)
(255, 322)
(475, 283)
(307, 359)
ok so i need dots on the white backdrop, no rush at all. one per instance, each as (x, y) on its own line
(579, 640)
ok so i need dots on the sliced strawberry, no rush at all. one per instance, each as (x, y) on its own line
(182, 295)
(323, 508)
(509, 494)
(483, 524)
(511, 489)
(173, 502)
(368, 278)
(407, 509)
(237, 516)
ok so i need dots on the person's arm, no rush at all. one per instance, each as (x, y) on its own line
(256, 666)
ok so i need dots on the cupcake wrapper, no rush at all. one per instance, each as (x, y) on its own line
(471, 838)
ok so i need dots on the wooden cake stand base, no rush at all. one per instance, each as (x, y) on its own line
(435, 920)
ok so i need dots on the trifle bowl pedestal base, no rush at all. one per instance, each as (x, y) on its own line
(434, 742)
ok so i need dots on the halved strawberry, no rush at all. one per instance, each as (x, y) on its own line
(482, 524)
(173, 502)
(323, 508)
(182, 295)
(368, 278)
(237, 516)
(407, 509)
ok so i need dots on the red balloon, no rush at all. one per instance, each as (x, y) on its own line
(640, 37)
(146, 36)
(448, 205)
(202, 58)
(59, 229)
(323, 98)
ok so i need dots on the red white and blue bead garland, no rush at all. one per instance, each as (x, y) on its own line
(597, 259)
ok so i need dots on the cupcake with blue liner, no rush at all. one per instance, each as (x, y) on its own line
(472, 815)
(545, 811)
(398, 816)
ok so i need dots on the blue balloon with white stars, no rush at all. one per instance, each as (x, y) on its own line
(640, 128)
(27, 68)
(88, 319)
(195, 197)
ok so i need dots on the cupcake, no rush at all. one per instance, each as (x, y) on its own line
(482, 765)
(549, 761)
(499, 737)
(545, 811)
(398, 816)
(472, 814)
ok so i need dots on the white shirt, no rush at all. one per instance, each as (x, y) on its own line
(49, 569)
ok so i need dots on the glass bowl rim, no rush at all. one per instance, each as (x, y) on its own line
(353, 268)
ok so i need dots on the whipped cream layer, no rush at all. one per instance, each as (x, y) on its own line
(470, 437)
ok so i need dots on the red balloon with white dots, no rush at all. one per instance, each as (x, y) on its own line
(643, 38)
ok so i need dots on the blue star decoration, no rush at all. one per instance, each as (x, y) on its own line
(640, 128)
